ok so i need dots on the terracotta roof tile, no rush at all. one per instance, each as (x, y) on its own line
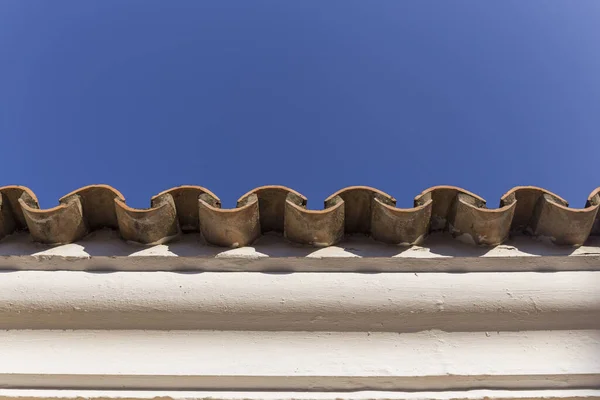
(356, 209)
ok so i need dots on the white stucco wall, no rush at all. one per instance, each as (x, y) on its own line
(103, 319)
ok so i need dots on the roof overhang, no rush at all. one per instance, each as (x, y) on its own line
(105, 319)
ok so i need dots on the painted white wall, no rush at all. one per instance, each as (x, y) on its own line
(105, 319)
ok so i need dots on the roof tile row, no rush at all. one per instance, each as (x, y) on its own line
(356, 209)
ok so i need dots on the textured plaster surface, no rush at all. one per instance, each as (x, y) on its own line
(568, 394)
(460, 321)
(431, 360)
(399, 302)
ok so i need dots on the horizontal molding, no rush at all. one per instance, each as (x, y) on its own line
(564, 394)
(394, 302)
(299, 361)
(258, 263)
(104, 251)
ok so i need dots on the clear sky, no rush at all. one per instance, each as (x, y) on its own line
(316, 95)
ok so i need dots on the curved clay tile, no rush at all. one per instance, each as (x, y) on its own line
(526, 198)
(148, 226)
(58, 225)
(358, 204)
(400, 226)
(186, 204)
(443, 198)
(314, 227)
(594, 200)
(97, 202)
(11, 215)
(544, 214)
(271, 203)
(480, 225)
(466, 216)
(235, 227)
(356, 209)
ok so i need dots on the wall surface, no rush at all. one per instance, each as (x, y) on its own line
(105, 319)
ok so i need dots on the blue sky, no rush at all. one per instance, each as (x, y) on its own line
(316, 95)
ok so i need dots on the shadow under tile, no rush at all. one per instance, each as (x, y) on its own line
(443, 244)
(20, 244)
(106, 242)
(590, 247)
(193, 245)
(109, 243)
(365, 246)
(275, 245)
(537, 247)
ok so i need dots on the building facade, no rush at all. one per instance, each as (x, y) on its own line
(185, 300)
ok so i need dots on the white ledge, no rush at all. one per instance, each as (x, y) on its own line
(560, 394)
(299, 361)
(104, 250)
(396, 302)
